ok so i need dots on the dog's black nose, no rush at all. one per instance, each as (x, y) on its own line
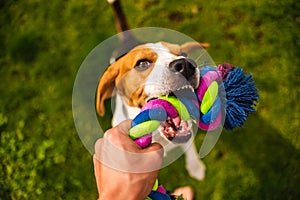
(185, 66)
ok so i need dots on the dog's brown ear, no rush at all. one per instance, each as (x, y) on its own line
(186, 48)
(173, 48)
(106, 87)
(191, 46)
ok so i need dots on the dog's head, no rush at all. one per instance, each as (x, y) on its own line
(149, 71)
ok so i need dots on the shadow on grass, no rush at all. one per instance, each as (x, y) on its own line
(274, 161)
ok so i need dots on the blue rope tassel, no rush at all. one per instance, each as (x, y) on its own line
(241, 95)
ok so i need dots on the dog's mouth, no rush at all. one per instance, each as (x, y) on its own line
(175, 129)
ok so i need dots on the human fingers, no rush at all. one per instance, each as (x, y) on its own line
(127, 156)
(121, 128)
(124, 126)
(118, 137)
(155, 147)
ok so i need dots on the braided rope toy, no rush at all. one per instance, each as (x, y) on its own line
(225, 96)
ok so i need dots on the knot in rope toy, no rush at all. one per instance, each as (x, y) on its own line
(225, 96)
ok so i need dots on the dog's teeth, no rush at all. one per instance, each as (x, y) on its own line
(186, 87)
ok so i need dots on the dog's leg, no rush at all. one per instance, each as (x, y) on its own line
(194, 165)
(121, 22)
(128, 41)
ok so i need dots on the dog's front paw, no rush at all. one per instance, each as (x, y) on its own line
(196, 170)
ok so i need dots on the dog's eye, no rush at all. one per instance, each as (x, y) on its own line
(142, 64)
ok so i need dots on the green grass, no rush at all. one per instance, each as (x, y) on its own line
(43, 43)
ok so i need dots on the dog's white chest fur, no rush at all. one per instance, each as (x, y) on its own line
(123, 111)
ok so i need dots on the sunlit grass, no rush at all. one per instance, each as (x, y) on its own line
(42, 45)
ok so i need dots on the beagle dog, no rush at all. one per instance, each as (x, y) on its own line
(146, 72)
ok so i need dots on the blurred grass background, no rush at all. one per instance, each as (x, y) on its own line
(43, 43)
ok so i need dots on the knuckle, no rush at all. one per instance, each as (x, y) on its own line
(109, 134)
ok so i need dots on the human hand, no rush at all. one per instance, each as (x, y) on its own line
(122, 169)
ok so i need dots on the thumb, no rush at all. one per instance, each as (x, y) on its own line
(125, 126)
